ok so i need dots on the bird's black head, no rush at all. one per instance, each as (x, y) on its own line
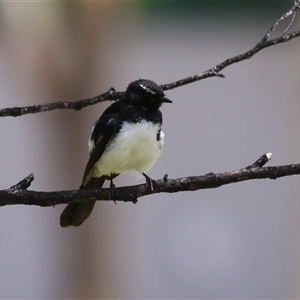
(146, 94)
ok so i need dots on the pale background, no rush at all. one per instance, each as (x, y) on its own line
(238, 241)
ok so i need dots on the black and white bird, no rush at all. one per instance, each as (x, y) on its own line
(126, 138)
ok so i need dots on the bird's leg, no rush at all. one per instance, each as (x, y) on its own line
(149, 182)
(112, 190)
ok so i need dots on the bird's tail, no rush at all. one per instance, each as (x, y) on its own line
(76, 213)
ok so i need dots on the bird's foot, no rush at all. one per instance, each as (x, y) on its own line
(149, 182)
(112, 192)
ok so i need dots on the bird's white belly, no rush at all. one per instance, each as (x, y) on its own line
(134, 149)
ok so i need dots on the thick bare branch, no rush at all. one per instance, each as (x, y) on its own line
(111, 94)
(18, 194)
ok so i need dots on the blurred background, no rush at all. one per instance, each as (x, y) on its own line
(237, 241)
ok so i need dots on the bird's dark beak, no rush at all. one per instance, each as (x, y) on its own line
(165, 100)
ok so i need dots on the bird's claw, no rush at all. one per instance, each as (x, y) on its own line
(112, 192)
(149, 182)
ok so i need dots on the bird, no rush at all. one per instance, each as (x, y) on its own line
(127, 138)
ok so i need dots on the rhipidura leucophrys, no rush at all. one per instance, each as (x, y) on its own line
(126, 138)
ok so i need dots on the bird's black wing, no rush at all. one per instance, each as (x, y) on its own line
(103, 132)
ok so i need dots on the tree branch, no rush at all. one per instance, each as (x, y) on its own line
(18, 193)
(111, 94)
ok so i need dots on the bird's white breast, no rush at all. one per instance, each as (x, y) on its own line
(134, 149)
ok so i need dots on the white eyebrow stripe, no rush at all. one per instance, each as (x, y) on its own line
(147, 89)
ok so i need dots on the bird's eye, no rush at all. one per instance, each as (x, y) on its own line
(147, 96)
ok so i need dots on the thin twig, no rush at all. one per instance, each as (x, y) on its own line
(76, 105)
(111, 94)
